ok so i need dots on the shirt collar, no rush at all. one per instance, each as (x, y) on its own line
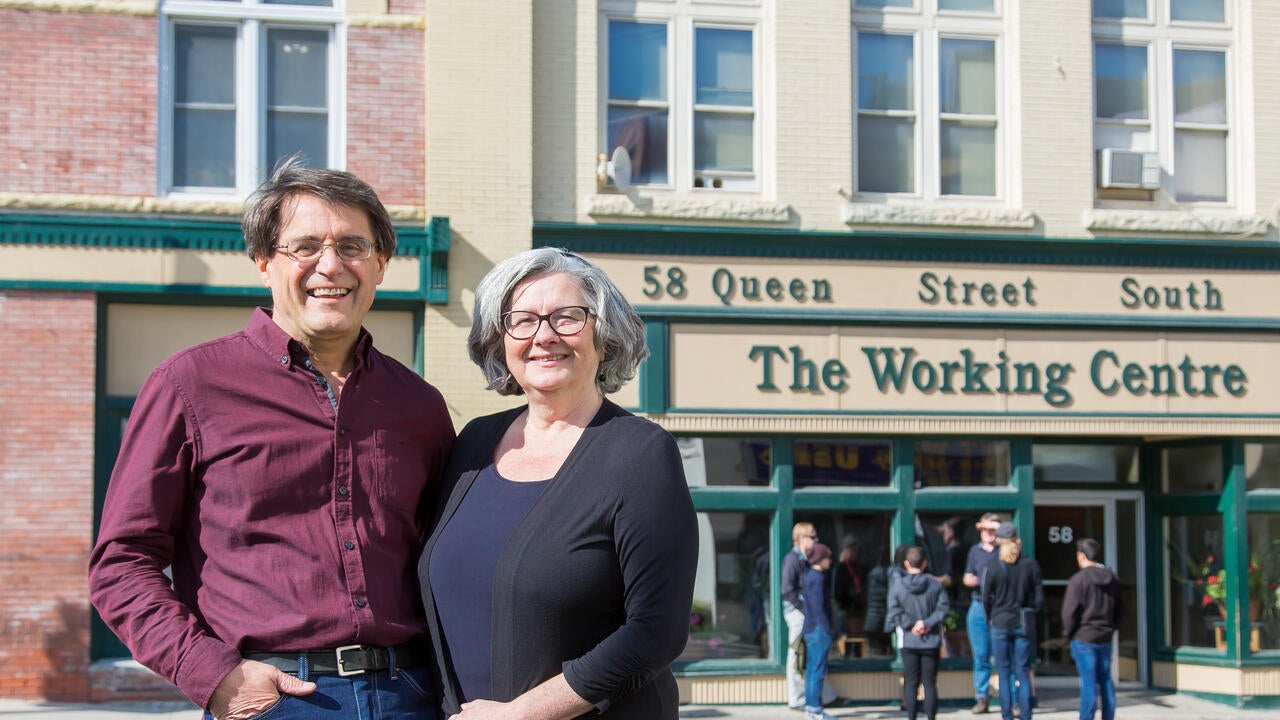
(286, 351)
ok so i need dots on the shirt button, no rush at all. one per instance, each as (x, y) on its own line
(349, 545)
(342, 431)
(360, 602)
(342, 489)
(284, 359)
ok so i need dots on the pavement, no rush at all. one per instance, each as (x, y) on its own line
(1054, 704)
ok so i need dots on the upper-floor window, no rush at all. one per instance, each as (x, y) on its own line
(681, 88)
(246, 83)
(929, 107)
(1162, 92)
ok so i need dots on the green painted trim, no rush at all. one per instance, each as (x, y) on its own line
(976, 500)
(725, 668)
(907, 246)
(726, 500)
(903, 527)
(1022, 481)
(851, 500)
(429, 244)
(1235, 549)
(1263, 501)
(873, 317)
(1200, 504)
(655, 391)
(783, 476)
(1244, 702)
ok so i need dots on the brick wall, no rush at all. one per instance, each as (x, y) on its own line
(386, 111)
(46, 491)
(77, 103)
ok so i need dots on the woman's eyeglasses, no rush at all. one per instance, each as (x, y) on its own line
(565, 321)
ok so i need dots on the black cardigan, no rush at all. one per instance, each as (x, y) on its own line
(597, 579)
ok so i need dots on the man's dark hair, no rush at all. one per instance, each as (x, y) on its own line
(915, 557)
(1091, 548)
(262, 222)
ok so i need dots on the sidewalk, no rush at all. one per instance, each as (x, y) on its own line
(1055, 704)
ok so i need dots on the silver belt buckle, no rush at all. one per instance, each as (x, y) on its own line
(342, 671)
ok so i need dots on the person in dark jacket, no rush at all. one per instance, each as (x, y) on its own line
(1091, 611)
(819, 628)
(794, 567)
(559, 576)
(1012, 596)
(917, 605)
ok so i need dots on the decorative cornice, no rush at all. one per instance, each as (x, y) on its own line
(966, 216)
(148, 205)
(140, 8)
(1214, 222)
(962, 425)
(687, 208)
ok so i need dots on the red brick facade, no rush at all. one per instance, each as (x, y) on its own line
(78, 103)
(46, 491)
(386, 112)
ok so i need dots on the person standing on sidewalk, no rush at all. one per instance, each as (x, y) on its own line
(1091, 611)
(976, 620)
(794, 566)
(818, 628)
(917, 605)
(1012, 595)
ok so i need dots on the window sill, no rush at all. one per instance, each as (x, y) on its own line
(1218, 222)
(977, 216)
(632, 205)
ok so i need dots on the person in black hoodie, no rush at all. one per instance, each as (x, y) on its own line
(917, 605)
(1012, 596)
(1091, 611)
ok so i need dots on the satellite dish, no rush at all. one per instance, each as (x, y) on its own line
(617, 169)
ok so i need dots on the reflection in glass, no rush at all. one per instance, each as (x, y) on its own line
(297, 96)
(1120, 72)
(1197, 11)
(886, 72)
(1262, 466)
(723, 69)
(859, 543)
(961, 463)
(886, 154)
(968, 158)
(1264, 581)
(1193, 563)
(637, 61)
(867, 463)
(1119, 9)
(713, 461)
(732, 597)
(643, 132)
(1200, 86)
(1195, 468)
(978, 5)
(722, 141)
(884, 3)
(1085, 463)
(204, 108)
(967, 70)
(1200, 172)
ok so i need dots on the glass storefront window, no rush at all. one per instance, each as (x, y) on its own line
(961, 463)
(1264, 581)
(1195, 608)
(946, 539)
(1262, 466)
(866, 463)
(731, 598)
(718, 461)
(1085, 463)
(1196, 468)
(860, 545)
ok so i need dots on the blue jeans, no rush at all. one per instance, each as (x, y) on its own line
(1093, 662)
(1013, 663)
(980, 641)
(817, 644)
(394, 694)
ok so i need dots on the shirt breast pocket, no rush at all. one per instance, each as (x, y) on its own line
(400, 467)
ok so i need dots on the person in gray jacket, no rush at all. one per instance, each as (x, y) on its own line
(917, 605)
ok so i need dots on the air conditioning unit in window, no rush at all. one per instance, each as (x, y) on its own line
(1128, 169)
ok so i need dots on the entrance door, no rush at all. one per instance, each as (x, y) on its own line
(1113, 519)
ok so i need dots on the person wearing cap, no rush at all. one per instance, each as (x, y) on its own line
(1012, 595)
(794, 567)
(917, 605)
(976, 620)
(818, 628)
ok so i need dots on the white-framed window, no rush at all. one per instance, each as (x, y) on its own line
(243, 84)
(681, 91)
(928, 82)
(1162, 85)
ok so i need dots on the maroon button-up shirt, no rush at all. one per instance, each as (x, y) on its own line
(289, 526)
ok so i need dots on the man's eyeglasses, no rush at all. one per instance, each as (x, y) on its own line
(565, 321)
(310, 251)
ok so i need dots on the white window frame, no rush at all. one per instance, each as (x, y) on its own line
(928, 26)
(682, 18)
(251, 18)
(1162, 36)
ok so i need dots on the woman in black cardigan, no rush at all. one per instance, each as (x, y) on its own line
(559, 577)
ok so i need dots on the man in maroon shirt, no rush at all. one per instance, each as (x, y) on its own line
(285, 473)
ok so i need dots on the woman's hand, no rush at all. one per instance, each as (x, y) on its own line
(484, 710)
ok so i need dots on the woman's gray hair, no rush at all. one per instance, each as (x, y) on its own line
(619, 331)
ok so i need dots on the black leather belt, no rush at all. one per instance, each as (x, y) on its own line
(348, 659)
